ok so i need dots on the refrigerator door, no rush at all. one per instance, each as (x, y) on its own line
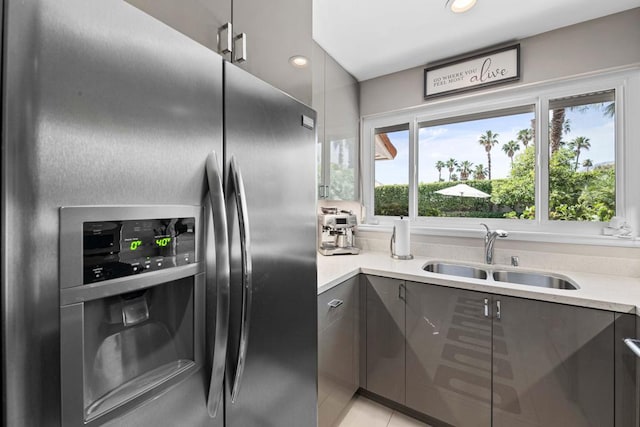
(271, 138)
(102, 105)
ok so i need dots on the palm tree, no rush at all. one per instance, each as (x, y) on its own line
(533, 128)
(465, 169)
(479, 173)
(556, 128)
(578, 144)
(451, 165)
(454, 177)
(440, 165)
(566, 126)
(510, 149)
(587, 164)
(488, 140)
(610, 110)
(525, 136)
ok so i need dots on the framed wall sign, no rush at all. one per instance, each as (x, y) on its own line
(477, 71)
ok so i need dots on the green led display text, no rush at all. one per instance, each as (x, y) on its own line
(163, 242)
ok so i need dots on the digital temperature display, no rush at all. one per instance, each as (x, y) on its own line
(115, 249)
(162, 242)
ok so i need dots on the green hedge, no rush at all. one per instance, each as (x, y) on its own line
(393, 200)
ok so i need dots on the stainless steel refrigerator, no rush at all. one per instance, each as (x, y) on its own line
(158, 228)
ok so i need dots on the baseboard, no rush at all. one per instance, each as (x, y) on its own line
(403, 409)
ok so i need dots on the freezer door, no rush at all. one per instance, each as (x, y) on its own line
(102, 105)
(272, 363)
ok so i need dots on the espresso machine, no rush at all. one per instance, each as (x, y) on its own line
(336, 231)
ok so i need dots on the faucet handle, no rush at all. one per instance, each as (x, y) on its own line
(486, 226)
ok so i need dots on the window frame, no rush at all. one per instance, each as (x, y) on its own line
(623, 81)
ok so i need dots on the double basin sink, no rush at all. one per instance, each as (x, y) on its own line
(543, 280)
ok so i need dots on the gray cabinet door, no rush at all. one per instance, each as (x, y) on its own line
(342, 123)
(385, 341)
(338, 336)
(277, 30)
(559, 365)
(448, 356)
(197, 19)
(627, 370)
(335, 98)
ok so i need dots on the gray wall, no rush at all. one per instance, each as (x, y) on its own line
(594, 45)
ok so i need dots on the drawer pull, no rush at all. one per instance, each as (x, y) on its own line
(335, 303)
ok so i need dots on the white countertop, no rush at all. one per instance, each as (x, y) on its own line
(606, 292)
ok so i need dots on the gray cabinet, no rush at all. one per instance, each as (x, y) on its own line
(561, 364)
(385, 337)
(627, 375)
(481, 360)
(338, 358)
(336, 99)
(275, 31)
(197, 19)
(448, 353)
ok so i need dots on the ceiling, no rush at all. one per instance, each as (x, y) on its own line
(371, 38)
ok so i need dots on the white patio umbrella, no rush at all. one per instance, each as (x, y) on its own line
(463, 190)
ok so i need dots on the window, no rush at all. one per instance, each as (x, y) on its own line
(544, 158)
(478, 166)
(391, 186)
(582, 168)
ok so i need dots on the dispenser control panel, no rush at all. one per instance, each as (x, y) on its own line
(113, 249)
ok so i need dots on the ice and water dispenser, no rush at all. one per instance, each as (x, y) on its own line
(131, 306)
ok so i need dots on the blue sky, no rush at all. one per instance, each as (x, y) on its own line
(460, 141)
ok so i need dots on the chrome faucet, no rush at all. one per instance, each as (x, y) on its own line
(489, 241)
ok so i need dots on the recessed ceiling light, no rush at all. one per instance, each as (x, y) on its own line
(299, 61)
(459, 6)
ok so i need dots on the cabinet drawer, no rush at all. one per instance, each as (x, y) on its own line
(337, 302)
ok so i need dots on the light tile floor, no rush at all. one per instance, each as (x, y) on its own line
(367, 413)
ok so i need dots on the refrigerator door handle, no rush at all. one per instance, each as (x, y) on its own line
(222, 280)
(235, 180)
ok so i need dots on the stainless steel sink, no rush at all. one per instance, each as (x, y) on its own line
(456, 270)
(530, 278)
(534, 279)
